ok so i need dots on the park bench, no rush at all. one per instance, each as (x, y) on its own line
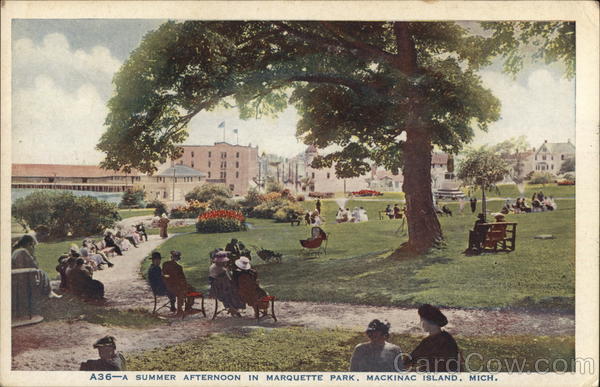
(108, 251)
(296, 219)
(498, 236)
(192, 294)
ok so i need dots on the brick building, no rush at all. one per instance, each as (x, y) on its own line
(236, 166)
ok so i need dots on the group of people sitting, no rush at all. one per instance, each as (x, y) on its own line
(314, 218)
(394, 213)
(359, 214)
(438, 352)
(539, 202)
(123, 240)
(232, 281)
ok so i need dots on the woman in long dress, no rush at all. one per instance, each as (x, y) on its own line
(222, 285)
(163, 223)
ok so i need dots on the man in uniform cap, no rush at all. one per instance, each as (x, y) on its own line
(377, 355)
(438, 352)
(110, 360)
(176, 283)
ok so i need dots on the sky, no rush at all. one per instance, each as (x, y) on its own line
(62, 79)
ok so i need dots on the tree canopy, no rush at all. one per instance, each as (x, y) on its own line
(382, 92)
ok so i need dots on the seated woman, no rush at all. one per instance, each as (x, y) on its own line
(82, 284)
(438, 352)
(339, 215)
(23, 258)
(124, 243)
(246, 281)
(362, 215)
(110, 242)
(222, 286)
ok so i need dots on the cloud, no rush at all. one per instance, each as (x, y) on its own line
(54, 58)
(542, 107)
(52, 125)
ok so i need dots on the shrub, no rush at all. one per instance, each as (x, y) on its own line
(273, 186)
(192, 210)
(366, 192)
(207, 192)
(159, 207)
(133, 198)
(321, 195)
(220, 203)
(270, 196)
(220, 221)
(267, 209)
(288, 195)
(541, 178)
(288, 212)
(64, 213)
(253, 198)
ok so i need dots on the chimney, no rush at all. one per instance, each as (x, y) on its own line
(569, 140)
(545, 141)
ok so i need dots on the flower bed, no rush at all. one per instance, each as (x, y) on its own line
(366, 192)
(221, 221)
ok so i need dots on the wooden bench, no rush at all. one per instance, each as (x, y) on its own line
(498, 236)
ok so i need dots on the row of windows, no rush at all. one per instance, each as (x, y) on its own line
(223, 164)
(223, 175)
(562, 157)
(223, 154)
(185, 179)
(543, 167)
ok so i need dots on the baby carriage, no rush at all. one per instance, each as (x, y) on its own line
(314, 245)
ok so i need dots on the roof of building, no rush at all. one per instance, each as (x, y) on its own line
(181, 171)
(63, 170)
(557, 147)
(217, 143)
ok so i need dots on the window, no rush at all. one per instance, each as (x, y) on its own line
(328, 175)
(209, 163)
(164, 194)
(223, 175)
(231, 187)
(237, 174)
(552, 166)
(209, 154)
(237, 155)
(223, 164)
(209, 175)
(535, 157)
(313, 175)
(237, 164)
(192, 164)
(223, 155)
(562, 157)
(544, 157)
(552, 157)
(192, 153)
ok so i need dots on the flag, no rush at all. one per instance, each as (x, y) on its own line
(222, 124)
(235, 131)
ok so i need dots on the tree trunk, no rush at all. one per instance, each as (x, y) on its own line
(424, 230)
(483, 204)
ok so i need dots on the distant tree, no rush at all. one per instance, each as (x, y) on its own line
(514, 148)
(380, 91)
(568, 165)
(482, 169)
(273, 185)
(541, 178)
(133, 198)
(206, 192)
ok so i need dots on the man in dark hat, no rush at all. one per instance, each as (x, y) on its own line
(234, 249)
(477, 235)
(438, 352)
(155, 280)
(377, 355)
(110, 360)
(176, 283)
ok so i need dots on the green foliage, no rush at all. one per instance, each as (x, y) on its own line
(218, 225)
(569, 177)
(207, 192)
(329, 350)
(568, 165)
(252, 199)
(65, 213)
(482, 168)
(159, 207)
(133, 198)
(287, 212)
(267, 210)
(542, 178)
(273, 186)
(222, 203)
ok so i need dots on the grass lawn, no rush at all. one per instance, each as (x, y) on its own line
(129, 213)
(511, 191)
(299, 349)
(71, 308)
(357, 269)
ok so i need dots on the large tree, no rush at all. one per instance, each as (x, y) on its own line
(383, 92)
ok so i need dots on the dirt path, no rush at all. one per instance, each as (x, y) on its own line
(66, 344)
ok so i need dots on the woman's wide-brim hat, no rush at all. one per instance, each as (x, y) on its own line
(432, 314)
(221, 256)
(243, 263)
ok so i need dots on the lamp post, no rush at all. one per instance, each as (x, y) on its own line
(173, 166)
